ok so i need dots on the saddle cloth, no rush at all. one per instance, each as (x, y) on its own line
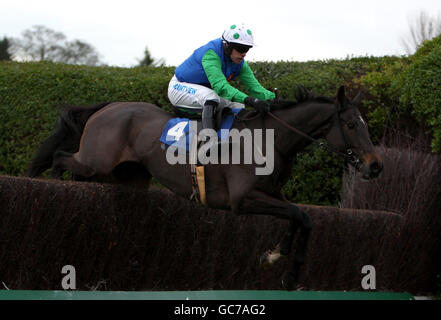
(179, 131)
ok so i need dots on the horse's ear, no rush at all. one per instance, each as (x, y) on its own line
(357, 99)
(341, 96)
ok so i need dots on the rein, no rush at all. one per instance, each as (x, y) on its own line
(349, 155)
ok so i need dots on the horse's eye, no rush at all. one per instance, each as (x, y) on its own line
(351, 125)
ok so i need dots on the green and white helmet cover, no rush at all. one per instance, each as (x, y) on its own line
(238, 34)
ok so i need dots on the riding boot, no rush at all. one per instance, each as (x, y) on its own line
(208, 118)
(208, 123)
(208, 113)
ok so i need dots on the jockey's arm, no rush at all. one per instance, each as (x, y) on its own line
(213, 69)
(246, 76)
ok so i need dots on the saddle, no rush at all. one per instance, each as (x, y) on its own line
(220, 114)
(177, 132)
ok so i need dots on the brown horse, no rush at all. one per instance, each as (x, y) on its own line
(123, 139)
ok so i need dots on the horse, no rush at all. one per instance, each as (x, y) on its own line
(122, 139)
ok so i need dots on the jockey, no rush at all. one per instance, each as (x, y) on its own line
(202, 82)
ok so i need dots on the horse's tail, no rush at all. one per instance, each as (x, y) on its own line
(69, 128)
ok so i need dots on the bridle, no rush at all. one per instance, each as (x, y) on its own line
(349, 156)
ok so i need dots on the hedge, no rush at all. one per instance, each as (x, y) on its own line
(407, 91)
(31, 92)
(125, 238)
(421, 88)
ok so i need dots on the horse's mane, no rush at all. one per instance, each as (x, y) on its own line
(301, 95)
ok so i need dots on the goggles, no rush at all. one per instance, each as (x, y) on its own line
(240, 47)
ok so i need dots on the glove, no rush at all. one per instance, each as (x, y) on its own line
(257, 104)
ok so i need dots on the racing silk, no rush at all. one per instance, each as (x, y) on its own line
(192, 70)
(209, 66)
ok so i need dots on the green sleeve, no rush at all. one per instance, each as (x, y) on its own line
(213, 69)
(253, 86)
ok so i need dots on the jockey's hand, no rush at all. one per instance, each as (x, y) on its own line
(257, 104)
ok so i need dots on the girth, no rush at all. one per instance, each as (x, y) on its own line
(197, 175)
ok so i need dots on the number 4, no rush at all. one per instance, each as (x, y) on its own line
(177, 131)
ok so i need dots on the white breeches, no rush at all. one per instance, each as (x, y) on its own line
(194, 96)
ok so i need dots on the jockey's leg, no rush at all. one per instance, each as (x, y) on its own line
(190, 96)
(208, 114)
(208, 123)
(193, 98)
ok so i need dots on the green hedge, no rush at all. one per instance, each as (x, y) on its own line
(382, 100)
(409, 87)
(31, 92)
(421, 88)
(322, 77)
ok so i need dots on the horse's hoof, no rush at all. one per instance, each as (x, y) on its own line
(263, 261)
(269, 258)
(289, 281)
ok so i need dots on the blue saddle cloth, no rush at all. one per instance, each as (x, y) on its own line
(179, 132)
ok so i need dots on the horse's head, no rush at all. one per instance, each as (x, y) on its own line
(349, 134)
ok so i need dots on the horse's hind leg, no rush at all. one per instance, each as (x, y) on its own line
(132, 173)
(64, 161)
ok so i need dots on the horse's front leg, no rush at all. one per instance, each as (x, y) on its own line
(282, 249)
(257, 202)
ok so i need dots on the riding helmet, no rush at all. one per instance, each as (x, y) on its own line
(239, 35)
